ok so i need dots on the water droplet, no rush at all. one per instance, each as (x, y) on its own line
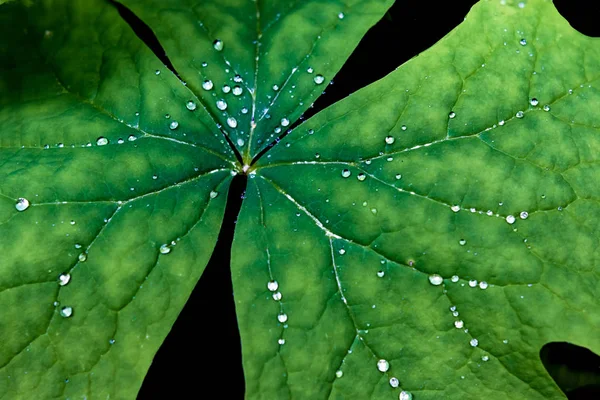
(173, 125)
(342, 252)
(454, 278)
(341, 15)
(394, 382)
(131, 138)
(82, 257)
(403, 127)
(452, 114)
(281, 341)
(164, 249)
(244, 110)
(404, 395)
(66, 312)
(111, 341)
(204, 64)
(524, 215)
(275, 87)
(510, 219)
(190, 105)
(455, 208)
(63, 279)
(319, 79)
(474, 342)
(272, 286)
(157, 72)
(519, 114)
(207, 84)
(22, 204)
(462, 242)
(523, 42)
(282, 318)
(459, 324)
(346, 173)
(361, 177)
(226, 89)
(232, 122)
(285, 122)
(383, 365)
(237, 90)
(218, 45)
(380, 274)
(389, 139)
(277, 296)
(546, 107)
(240, 142)
(398, 176)
(436, 279)
(237, 78)
(102, 141)
(213, 194)
(534, 102)
(310, 70)
(339, 373)
(485, 358)
(483, 285)
(221, 105)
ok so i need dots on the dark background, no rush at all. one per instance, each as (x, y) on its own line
(202, 356)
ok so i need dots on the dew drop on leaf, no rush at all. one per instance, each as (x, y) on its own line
(394, 382)
(319, 79)
(218, 45)
(474, 342)
(462, 242)
(455, 208)
(164, 249)
(222, 105)
(485, 358)
(285, 122)
(483, 285)
(213, 194)
(277, 296)
(523, 42)
(272, 286)
(346, 173)
(404, 395)
(341, 15)
(524, 215)
(510, 219)
(459, 324)
(452, 114)
(237, 90)
(22, 204)
(173, 125)
(232, 122)
(534, 102)
(435, 279)
(131, 138)
(102, 141)
(226, 89)
(339, 373)
(282, 318)
(64, 279)
(380, 274)
(190, 105)
(66, 312)
(473, 283)
(281, 341)
(519, 114)
(389, 139)
(207, 85)
(546, 107)
(361, 177)
(82, 257)
(383, 365)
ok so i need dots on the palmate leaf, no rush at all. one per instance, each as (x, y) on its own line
(437, 227)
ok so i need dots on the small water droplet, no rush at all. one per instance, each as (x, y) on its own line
(275, 87)
(404, 395)
(66, 312)
(519, 114)
(282, 318)
(380, 274)
(157, 72)
(285, 122)
(473, 282)
(22, 204)
(524, 215)
(383, 365)
(394, 382)
(131, 138)
(523, 42)
(455, 208)
(277, 296)
(341, 15)
(190, 105)
(404, 127)
(64, 279)
(346, 173)
(111, 341)
(213, 194)
(226, 89)
(510, 219)
(534, 102)
(207, 85)
(244, 110)
(342, 251)
(281, 341)
(389, 139)
(339, 373)
(546, 107)
(232, 122)
(218, 45)
(102, 141)
(474, 342)
(452, 114)
(221, 105)
(82, 257)
(164, 249)
(240, 142)
(319, 79)
(459, 324)
(454, 278)
(485, 358)
(272, 286)
(398, 176)
(237, 90)
(361, 177)
(173, 125)
(462, 242)
(436, 279)
(483, 285)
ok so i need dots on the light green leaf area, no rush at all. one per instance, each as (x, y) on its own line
(442, 220)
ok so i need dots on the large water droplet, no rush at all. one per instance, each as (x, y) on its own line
(380, 274)
(218, 45)
(277, 296)
(483, 285)
(404, 395)
(459, 324)
(339, 373)
(22, 204)
(383, 365)
(455, 208)
(237, 90)
(82, 257)
(207, 84)
(389, 139)
(285, 122)
(452, 114)
(436, 279)
(66, 312)
(282, 318)
(232, 122)
(226, 89)
(319, 79)
(346, 173)
(474, 342)
(473, 282)
(190, 105)
(341, 15)
(213, 194)
(222, 105)
(394, 382)
(361, 177)
(272, 286)
(164, 249)
(102, 141)
(524, 215)
(534, 102)
(510, 219)
(63, 279)
(519, 114)
(462, 242)
(174, 125)
(454, 278)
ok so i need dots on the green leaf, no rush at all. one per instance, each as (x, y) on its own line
(437, 227)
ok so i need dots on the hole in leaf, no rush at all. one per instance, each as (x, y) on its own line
(575, 369)
(203, 349)
(582, 15)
